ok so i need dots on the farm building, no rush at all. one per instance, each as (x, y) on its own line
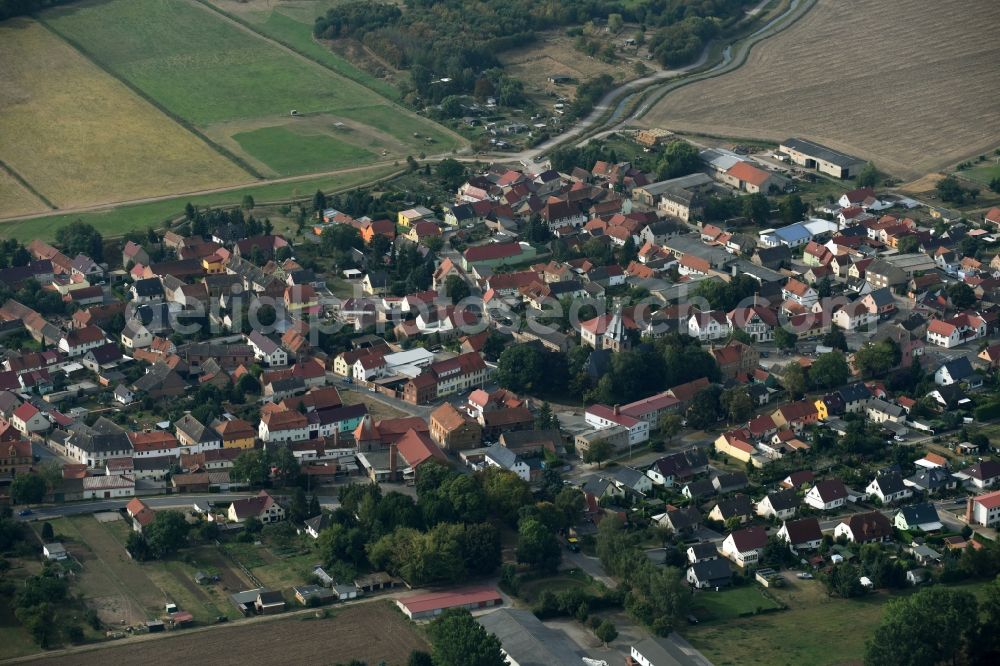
(527, 642)
(825, 160)
(428, 606)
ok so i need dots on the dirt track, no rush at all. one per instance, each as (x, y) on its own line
(371, 632)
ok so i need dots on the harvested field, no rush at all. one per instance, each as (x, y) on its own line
(15, 199)
(370, 632)
(907, 84)
(80, 137)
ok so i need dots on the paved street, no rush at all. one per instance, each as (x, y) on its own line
(155, 502)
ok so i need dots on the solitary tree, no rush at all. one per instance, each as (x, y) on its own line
(606, 632)
(27, 489)
(458, 640)
(598, 452)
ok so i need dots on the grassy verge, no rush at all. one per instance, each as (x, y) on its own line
(117, 221)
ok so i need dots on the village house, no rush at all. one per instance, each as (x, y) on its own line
(888, 488)
(744, 546)
(263, 507)
(865, 528)
(781, 505)
(802, 534)
(827, 495)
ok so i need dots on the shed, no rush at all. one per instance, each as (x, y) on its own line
(427, 606)
(54, 551)
(155, 626)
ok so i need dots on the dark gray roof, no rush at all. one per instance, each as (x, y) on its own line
(784, 500)
(711, 570)
(701, 488)
(148, 288)
(821, 152)
(890, 483)
(732, 481)
(104, 436)
(528, 641)
(931, 479)
(959, 368)
(735, 506)
(855, 392)
(920, 514)
(196, 430)
(705, 549)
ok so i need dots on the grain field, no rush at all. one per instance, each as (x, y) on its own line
(908, 84)
(80, 137)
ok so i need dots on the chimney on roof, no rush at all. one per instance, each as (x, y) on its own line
(617, 410)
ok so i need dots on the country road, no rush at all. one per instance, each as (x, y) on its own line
(155, 502)
(660, 82)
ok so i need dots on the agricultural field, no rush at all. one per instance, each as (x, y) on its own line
(15, 199)
(118, 220)
(371, 632)
(910, 90)
(290, 22)
(225, 79)
(79, 137)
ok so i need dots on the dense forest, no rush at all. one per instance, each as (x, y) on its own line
(9, 8)
(450, 46)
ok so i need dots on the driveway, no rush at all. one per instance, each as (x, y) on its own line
(591, 565)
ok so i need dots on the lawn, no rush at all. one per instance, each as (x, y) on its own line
(287, 572)
(290, 153)
(731, 603)
(984, 172)
(804, 634)
(117, 221)
(80, 137)
(530, 589)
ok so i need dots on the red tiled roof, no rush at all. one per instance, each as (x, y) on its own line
(748, 173)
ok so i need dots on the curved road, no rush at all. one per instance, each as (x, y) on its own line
(662, 82)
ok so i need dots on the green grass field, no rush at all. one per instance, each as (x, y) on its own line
(291, 24)
(117, 221)
(983, 173)
(731, 603)
(290, 153)
(80, 137)
(199, 66)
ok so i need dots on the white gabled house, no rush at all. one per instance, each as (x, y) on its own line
(827, 495)
(744, 547)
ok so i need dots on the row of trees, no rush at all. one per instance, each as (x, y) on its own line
(657, 596)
